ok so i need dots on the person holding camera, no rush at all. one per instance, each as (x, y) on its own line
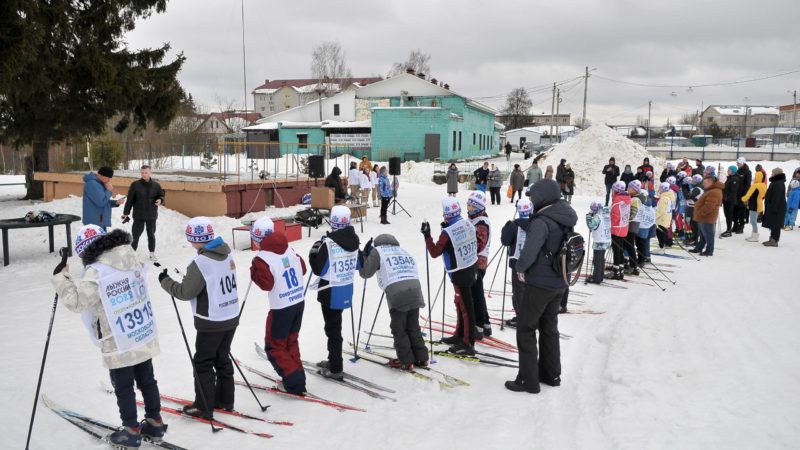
(144, 197)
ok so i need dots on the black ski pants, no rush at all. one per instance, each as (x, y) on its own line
(333, 331)
(136, 231)
(123, 381)
(479, 301)
(539, 311)
(598, 265)
(408, 341)
(214, 369)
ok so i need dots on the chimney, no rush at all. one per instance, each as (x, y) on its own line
(447, 86)
(266, 81)
(410, 71)
(433, 80)
(421, 75)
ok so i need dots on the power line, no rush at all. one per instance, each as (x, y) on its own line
(690, 86)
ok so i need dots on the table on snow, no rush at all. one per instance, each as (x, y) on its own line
(61, 219)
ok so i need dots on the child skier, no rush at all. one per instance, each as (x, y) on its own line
(513, 237)
(399, 279)
(666, 204)
(620, 218)
(114, 284)
(334, 259)
(696, 190)
(210, 286)
(279, 270)
(637, 195)
(792, 203)
(599, 222)
(476, 211)
(458, 246)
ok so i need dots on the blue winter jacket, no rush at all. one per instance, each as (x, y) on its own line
(97, 202)
(385, 187)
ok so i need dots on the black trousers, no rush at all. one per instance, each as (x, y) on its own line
(408, 341)
(136, 231)
(630, 248)
(617, 245)
(539, 311)
(598, 265)
(775, 234)
(729, 209)
(479, 301)
(663, 237)
(333, 331)
(385, 205)
(565, 299)
(214, 369)
(517, 291)
(516, 192)
(123, 378)
(494, 193)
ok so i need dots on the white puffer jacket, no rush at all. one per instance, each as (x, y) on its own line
(86, 295)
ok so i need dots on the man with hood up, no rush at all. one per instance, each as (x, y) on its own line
(334, 181)
(544, 288)
(513, 237)
(399, 278)
(334, 259)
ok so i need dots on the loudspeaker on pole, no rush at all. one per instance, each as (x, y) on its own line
(394, 166)
(316, 166)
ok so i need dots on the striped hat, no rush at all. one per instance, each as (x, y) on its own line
(86, 235)
(199, 230)
(450, 208)
(477, 199)
(261, 228)
(340, 217)
(524, 208)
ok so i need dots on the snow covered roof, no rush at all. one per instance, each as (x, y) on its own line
(274, 85)
(524, 130)
(776, 130)
(740, 110)
(542, 129)
(263, 126)
(264, 91)
(499, 126)
(290, 124)
(357, 124)
(405, 107)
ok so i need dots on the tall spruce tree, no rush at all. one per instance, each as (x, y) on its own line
(65, 71)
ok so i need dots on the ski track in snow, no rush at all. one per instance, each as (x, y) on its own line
(711, 362)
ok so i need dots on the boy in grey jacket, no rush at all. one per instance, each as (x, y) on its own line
(399, 279)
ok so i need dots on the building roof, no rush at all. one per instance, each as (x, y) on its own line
(770, 131)
(738, 110)
(525, 129)
(271, 86)
(326, 124)
(789, 107)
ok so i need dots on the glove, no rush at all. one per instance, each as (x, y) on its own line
(443, 224)
(425, 229)
(368, 247)
(64, 252)
(162, 275)
(125, 219)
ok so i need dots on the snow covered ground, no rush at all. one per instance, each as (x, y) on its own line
(712, 362)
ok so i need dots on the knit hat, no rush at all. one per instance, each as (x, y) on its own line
(86, 235)
(663, 187)
(741, 160)
(525, 208)
(670, 166)
(733, 169)
(777, 171)
(710, 171)
(199, 230)
(671, 180)
(477, 200)
(106, 171)
(261, 228)
(794, 184)
(618, 186)
(596, 206)
(697, 179)
(340, 217)
(681, 174)
(636, 185)
(450, 208)
(687, 180)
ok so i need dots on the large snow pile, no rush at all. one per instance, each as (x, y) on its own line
(590, 150)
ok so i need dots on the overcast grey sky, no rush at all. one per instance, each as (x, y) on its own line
(483, 49)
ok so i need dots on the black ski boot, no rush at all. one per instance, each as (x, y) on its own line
(462, 349)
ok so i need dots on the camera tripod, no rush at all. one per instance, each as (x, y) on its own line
(394, 203)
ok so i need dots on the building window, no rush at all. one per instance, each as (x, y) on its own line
(263, 108)
(335, 109)
(473, 138)
(272, 108)
(459, 140)
(454, 140)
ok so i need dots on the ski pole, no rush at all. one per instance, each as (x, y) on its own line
(496, 270)
(64, 252)
(375, 319)
(687, 251)
(430, 307)
(444, 287)
(360, 315)
(586, 280)
(662, 273)
(308, 284)
(263, 408)
(505, 282)
(652, 279)
(435, 299)
(494, 256)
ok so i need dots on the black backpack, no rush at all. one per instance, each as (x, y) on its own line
(569, 256)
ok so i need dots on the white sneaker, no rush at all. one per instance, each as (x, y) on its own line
(753, 238)
(153, 257)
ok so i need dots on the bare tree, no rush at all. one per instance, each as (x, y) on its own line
(418, 60)
(329, 67)
(518, 105)
(641, 121)
(689, 119)
(578, 122)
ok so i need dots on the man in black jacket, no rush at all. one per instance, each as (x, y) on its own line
(775, 206)
(144, 196)
(544, 288)
(611, 172)
(743, 213)
(731, 197)
(481, 175)
(334, 180)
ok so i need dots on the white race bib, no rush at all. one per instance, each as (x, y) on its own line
(127, 306)
(624, 214)
(396, 265)
(287, 273)
(602, 235)
(648, 216)
(342, 265)
(484, 219)
(521, 236)
(465, 244)
(639, 210)
(223, 298)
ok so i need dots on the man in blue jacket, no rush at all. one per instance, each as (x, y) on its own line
(97, 202)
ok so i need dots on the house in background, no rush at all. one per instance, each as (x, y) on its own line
(522, 136)
(275, 96)
(789, 115)
(405, 115)
(743, 119)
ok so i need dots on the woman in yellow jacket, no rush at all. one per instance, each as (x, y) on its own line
(754, 198)
(666, 204)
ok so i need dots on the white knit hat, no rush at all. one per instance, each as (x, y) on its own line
(261, 228)
(199, 230)
(450, 208)
(477, 199)
(524, 208)
(86, 235)
(340, 217)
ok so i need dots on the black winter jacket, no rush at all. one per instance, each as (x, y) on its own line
(747, 177)
(508, 237)
(334, 181)
(481, 175)
(545, 231)
(611, 173)
(142, 196)
(775, 202)
(733, 190)
(318, 257)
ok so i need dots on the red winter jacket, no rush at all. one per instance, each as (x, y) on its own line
(620, 220)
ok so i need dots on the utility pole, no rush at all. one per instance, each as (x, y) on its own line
(794, 117)
(558, 112)
(244, 68)
(585, 89)
(649, 105)
(552, 110)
